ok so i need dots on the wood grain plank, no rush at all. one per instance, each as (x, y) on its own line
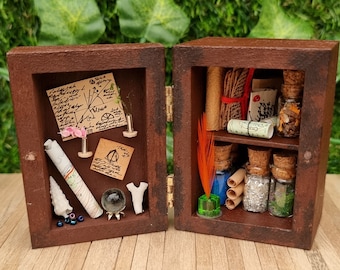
(47, 257)
(219, 253)
(12, 195)
(16, 246)
(9, 223)
(235, 259)
(156, 251)
(203, 252)
(78, 256)
(332, 187)
(140, 257)
(179, 250)
(316, 259)
(299, 258)
(327, 250)
(30, 259)
(249, 253)
(171, 249)
(266, 256)
(126, 251)
(282, 257)
(102, 254)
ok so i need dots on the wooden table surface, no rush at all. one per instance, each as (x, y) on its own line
(170, 249)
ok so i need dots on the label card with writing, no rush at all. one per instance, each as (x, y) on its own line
(111, 158)
(93, 103)
(262, 104)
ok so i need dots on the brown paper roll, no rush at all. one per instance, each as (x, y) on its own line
(231, 204)
(233, 193)
(215, 77)
(236, 178)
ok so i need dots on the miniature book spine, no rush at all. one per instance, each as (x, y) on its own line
(137, 196)
(73, 178)
(250, 128)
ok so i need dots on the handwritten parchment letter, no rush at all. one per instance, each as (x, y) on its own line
(93, 103)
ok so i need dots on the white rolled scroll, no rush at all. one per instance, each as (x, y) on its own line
(251, 128)
(73, 179)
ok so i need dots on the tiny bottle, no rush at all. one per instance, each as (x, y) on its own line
(289, 117)
(256, 190)
(281, 197)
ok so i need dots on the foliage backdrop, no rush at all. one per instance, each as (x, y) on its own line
(33, 22)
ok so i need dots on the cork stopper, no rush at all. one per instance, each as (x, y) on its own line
(285, 160)
(222, 156)
(259, 156)
(284, 166)
(256, 170)
(283, 174)
(291, 90)
(296, 77)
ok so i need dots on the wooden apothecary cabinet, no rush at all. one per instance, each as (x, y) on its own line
(139, 68)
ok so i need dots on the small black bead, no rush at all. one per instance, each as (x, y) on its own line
(60, 223)
(73, 222)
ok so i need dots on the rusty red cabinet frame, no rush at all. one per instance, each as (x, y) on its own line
(141, 67)
(137, 68)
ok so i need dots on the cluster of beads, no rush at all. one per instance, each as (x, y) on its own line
(72, 219)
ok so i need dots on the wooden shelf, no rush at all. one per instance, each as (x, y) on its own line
(274, 142)
(194, 58)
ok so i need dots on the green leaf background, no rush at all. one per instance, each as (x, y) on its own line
(152, 20)
(54, 22)
(69, 22)
(275, 23)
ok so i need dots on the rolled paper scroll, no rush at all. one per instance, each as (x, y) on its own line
(233, 193)
(231, 204)
(271, 120)
(236, 178)
(250, 128)
(73, 179)
(213, 97)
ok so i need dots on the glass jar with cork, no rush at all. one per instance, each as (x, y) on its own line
(256, 188)
(290, 103)
(281, 194)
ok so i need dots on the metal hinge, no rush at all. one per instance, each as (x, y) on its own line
(169, 103)
(169, 118)
(170, 191)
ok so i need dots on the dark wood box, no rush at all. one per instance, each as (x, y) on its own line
(141, 67)
(319, 61)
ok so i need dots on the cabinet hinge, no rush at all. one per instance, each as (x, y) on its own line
(170, 190)
(169, 103)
